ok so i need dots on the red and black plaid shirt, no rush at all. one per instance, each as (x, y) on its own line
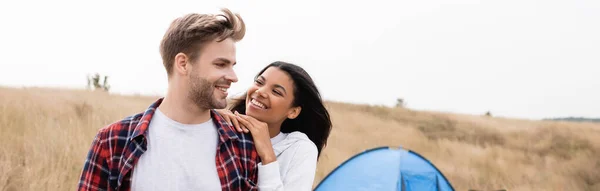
(118, 146)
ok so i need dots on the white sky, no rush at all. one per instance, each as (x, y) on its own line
(515, 58)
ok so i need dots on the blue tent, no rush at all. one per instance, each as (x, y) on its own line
(386, 168)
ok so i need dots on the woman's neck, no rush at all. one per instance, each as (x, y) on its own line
(274, 129)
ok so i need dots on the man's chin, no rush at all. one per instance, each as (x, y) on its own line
(220, 103)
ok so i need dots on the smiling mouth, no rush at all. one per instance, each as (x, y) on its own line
(258, 104)
(223, 89)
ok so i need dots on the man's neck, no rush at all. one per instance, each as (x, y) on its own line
(183, 110)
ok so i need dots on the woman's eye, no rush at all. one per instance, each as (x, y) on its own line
(258, 82)
(276, 92)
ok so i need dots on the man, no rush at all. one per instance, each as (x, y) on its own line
(180, 142)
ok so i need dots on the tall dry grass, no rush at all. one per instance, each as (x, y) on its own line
(474, 152)
(46, 133)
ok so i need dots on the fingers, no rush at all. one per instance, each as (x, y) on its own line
(230, 119)
(239, 126)
(245, 123)
(227, 118)
(233, 121)
(250, 119)
(251, 122)
(236, 124)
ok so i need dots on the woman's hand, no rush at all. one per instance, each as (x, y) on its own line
(232, 119)
(260, 134)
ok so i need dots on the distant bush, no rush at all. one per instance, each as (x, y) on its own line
(93, 83)
(488, 114)
(400, 102)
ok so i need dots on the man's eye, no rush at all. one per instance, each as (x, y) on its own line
(220, 65)
(276, 92)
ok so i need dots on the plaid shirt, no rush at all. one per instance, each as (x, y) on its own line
(117, 147)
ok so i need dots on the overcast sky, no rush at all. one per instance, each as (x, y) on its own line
(515, 58)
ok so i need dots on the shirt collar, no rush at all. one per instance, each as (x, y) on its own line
(142, 125)
(278, 138)
(226, 130)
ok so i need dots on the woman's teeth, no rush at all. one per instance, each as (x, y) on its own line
(258, 104)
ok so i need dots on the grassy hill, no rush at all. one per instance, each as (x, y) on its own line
(575, 119)
(46, 134)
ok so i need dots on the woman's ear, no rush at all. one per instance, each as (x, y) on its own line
(294, 112)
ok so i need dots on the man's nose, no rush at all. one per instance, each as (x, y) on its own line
(231, 76)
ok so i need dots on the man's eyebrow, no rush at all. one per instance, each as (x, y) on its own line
(227, 61)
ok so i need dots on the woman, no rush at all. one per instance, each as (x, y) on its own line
(288, 121)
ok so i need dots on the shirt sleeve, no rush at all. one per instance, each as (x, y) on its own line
(300, 175)
(94, 175)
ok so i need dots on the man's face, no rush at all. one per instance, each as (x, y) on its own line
(211, 74)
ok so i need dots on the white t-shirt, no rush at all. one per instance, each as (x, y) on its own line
(178, 157)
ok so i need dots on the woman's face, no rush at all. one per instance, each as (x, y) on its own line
(271, 96)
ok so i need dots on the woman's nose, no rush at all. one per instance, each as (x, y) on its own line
(260, 92)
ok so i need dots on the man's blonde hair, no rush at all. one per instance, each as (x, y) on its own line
(187, 34)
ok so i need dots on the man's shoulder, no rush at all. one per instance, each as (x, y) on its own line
(228, 128)
(243, 137)
(228, 131)
(127, 125)
(120, 127)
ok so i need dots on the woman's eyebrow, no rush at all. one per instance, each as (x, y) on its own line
(280, 86)
(276, 85)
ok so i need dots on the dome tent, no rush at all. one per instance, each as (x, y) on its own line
(386, 168)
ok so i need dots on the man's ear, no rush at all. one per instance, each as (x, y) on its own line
(181, 65)
(294, 112)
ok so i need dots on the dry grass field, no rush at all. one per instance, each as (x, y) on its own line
(45, 134)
